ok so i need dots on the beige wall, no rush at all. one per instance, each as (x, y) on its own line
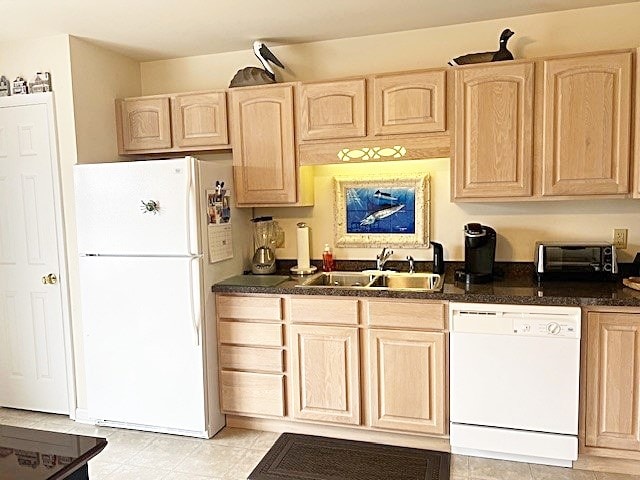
(518, 225)
(99, 76)
(549, 33)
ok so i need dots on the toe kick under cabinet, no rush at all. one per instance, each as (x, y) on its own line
(370, 364)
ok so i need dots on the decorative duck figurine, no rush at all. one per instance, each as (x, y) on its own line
(481, 57)
(257, 76)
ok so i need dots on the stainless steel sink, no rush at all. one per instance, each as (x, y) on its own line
(429, 282)
(339, 279)
(383, 280)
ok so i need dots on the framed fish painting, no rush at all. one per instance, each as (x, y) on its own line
(382, 212)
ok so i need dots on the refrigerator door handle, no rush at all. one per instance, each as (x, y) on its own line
(191, 207)
(196, 313)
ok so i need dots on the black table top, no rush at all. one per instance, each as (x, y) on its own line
(28, 454)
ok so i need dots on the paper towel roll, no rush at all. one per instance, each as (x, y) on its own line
(302, 236)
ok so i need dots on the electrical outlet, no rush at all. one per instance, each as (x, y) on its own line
(620, 238)
(280, 238)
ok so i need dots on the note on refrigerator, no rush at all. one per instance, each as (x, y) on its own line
(218, 225)
(220, 242)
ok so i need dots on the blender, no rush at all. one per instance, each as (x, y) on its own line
(264, 241)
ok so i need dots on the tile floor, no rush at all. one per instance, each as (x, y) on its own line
(233, 453)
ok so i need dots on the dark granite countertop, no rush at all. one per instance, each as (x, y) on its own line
(516, 286)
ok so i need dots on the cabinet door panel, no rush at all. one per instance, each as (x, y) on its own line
(146, 123)
(332, 110)
(200, 119)
(493, 143)
(586, 124)
(407, 380)
(613, 381)
(409, 103)
(263, 145)
(326, 378)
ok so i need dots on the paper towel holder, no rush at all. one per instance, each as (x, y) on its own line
(298, 270)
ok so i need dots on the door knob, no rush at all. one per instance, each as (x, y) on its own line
(50, 279)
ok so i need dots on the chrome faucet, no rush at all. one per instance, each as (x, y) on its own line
(412, 266)
(382, 258)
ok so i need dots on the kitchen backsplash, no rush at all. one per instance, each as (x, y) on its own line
(518, 225)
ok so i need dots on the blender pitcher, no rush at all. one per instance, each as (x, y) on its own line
(264, 241)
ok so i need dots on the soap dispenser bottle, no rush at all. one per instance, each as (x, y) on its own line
(438, 258)
(327, 258)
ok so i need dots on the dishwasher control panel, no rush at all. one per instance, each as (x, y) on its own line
(519, 320)
(542, 327)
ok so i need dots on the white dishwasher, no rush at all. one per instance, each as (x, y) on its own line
(514, 382)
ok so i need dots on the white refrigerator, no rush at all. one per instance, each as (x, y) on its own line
(148, 313)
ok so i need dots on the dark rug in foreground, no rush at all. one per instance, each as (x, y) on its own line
(305, 457)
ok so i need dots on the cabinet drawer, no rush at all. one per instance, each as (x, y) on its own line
(252, 393)
(245, 333)
(255, 359)
(324, 310)
(258, 308)
(418, 315)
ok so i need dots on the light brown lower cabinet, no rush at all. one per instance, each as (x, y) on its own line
(300, 358)
(612, 381)
(251, 355)
(325, 373)
(407, 380)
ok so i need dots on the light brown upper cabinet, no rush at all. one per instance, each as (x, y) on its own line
(586, 119)
(380, 117)
(264, 151)
(406, 103)
(199, 119)
(493, 139)
(561, 130)
(332, 110)
(612, 381)
(172, 123)
(143, 124)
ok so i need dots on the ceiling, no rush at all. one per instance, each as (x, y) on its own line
(158, 29)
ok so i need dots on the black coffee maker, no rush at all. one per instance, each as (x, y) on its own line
(479, 254)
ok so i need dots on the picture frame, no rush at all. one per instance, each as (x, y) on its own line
(390, 211)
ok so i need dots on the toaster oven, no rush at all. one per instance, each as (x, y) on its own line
(575, 261)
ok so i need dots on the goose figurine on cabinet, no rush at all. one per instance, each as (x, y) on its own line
(257, 76)
(502, 53)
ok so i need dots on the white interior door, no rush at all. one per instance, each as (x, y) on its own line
(33, 370)
(142, 325)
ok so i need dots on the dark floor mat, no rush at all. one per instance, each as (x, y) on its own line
(306, 457)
